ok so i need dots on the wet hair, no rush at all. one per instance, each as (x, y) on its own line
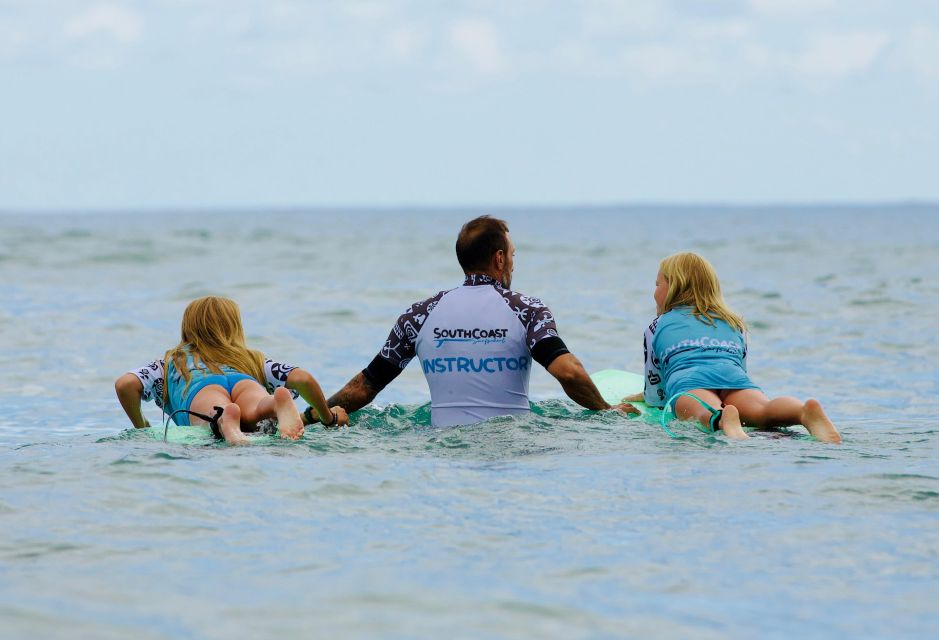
(211, 332)
(692, 282)
(479, 239)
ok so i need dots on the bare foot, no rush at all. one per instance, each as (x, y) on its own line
(289, 422)
(231, 425)
(730, 423)
(814, 419)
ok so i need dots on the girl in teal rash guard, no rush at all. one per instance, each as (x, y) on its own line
(695, 354)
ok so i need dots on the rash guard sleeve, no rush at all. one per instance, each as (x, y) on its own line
(153, 379)
(746, 347)
(540, 327)
(400, 346)
(653, 393)
(276, 373)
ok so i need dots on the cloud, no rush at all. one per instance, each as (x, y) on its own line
(404, 42)
(478, 42)
(12, 41)
(919, 51)
(836, 54)
(791, 7)
(711, 9)
(368, 10)
(659, 61)
(611, 18)
(720, 30)
(112, 20)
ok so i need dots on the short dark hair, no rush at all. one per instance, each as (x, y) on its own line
(479, 239)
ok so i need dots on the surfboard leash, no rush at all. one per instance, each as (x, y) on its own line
(213, 421)
(715, 414)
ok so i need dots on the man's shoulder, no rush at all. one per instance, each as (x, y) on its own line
(532, 313)
(520, 299)
(418, 311)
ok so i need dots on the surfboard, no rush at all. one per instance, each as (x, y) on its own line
(614, 385)
(197, 435)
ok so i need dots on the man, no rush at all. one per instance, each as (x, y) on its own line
(476, 343)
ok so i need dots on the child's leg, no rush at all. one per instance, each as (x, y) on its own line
(256, 404)
(686, 407)
(756, 410)
(814, 419)
(213, 396)
(759, 411)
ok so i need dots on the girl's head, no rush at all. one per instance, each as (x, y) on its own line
(688, 280)
(212, 334)
(213, 322)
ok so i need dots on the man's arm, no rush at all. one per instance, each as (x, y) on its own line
(578, 386)
(391, 359)
(366, 384)
(548, 350)
(357, 393)
(305, 384)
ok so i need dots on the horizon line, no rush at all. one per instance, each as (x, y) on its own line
(924, 203)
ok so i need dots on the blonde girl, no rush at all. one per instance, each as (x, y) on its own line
(695, 358)
(212, 371)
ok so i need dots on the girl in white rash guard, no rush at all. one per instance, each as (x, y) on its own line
(213, 368)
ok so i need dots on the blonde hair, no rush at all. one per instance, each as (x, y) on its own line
(212, 334)
(692, 282)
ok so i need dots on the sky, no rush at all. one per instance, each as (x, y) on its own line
(163, 104)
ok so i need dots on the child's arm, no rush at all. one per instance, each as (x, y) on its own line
(129, 391)
(309, 389)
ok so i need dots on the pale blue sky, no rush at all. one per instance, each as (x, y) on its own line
(240, 103)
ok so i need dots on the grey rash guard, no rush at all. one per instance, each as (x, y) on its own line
(475, 344)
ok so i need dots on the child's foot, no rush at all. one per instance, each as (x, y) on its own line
(289, 423)
(231, 425)
(814, 419)
(730, 423)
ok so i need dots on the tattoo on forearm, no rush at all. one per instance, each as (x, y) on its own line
(357, 393)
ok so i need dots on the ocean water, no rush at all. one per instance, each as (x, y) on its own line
(564, 524)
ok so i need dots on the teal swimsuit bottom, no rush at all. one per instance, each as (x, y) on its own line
(200, 379)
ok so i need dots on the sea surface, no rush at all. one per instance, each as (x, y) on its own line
(563, 524)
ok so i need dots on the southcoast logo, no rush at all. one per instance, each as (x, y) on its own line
(474, 365)
(474, 336)
(704, 342)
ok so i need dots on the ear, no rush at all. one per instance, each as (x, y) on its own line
(498, 260)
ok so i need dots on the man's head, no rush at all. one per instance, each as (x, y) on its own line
(484, 246)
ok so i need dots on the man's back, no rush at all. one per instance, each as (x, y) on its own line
(474, 354)
(476, 344)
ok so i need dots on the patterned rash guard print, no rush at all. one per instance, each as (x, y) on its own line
(654, 391)
(535, 316)
(153, 379)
